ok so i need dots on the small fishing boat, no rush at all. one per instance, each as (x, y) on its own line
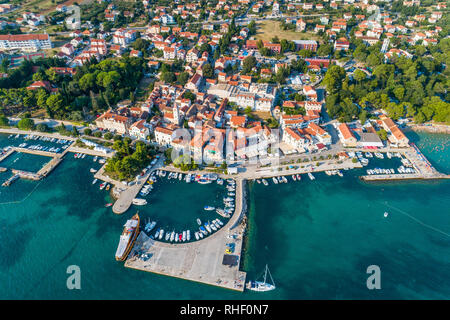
(196, 235)
(386, 214)
(157, 233)
(108, 204)
(220, 222)
(180, 237)
(208, 228)
(95, 181)
(212, 226)
(284, 179)
(108, 186)
(200, 234)
(95, 158)
(264, 181)
(161, 233)
(311, 176)
(199, 222)
(176, 237)
(167, 238)
(274, 180)
(208, 208)
(188, 235)
(102, 185)
(184, 236)
(294, 177)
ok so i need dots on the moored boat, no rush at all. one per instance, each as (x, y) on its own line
(139, 201)
(262, 286)
(127, 238)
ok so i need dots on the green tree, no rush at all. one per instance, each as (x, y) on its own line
(26, 124)
(207, 70)
(248, 64)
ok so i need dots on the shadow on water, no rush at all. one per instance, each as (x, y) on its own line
(13, 235)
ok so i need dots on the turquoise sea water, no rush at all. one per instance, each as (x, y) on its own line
(318, 237)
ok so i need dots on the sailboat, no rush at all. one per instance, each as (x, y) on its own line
(262, 286)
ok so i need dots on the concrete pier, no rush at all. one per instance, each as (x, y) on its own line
(7, 154)
(424, 169)
(200, 261)
(126, 197)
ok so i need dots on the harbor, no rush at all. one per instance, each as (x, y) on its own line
(204, 261)
(57, 153)
(279, 218)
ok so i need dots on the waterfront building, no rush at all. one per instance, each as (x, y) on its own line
(347, 137)
(113, 121)
(396, 136)
(25, 42)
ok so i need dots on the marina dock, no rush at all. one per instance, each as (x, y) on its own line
(413, 176)
(423, 168)
(202, 261)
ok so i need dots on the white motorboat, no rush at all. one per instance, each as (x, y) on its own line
(311, 176)
(139, 201)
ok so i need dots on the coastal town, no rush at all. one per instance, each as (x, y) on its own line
(226, 91)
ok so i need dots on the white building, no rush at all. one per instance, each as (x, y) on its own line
(25, 42)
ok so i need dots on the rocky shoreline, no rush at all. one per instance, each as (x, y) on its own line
(436, 128)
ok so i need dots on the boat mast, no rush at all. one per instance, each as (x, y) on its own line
(265, 274)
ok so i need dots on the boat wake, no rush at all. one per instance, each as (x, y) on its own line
(26, 197)
(418, 220)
